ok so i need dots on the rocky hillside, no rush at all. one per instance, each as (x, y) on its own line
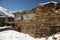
(44, 20)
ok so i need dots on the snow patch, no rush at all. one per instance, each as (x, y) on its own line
(5, 27)
(14, 35)
(47, 3)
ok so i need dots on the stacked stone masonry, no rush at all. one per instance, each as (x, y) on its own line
(45, 20)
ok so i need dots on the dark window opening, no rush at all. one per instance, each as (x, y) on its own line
(21, 17)
(55, 29)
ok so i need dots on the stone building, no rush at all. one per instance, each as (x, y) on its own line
(6, 18)
(42, 21)
(25, 21)
(48, 17)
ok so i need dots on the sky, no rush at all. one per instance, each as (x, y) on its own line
(19, 5)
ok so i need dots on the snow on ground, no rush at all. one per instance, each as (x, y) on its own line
(14, 35)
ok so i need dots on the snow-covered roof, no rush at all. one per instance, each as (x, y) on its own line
(47, 3)
(5, 12)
